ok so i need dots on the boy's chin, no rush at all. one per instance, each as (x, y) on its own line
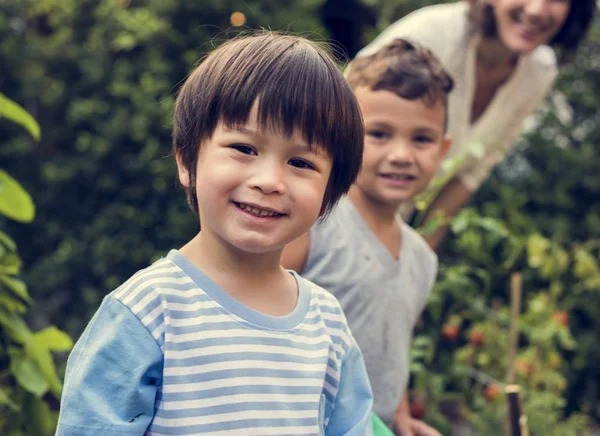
(258, 248)
(398, 200)
(263, 248)
(392, 203)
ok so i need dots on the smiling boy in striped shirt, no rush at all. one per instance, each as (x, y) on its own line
(217, 338)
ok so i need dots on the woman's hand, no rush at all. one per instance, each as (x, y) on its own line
(406, 425)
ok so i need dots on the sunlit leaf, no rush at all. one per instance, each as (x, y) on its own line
(15, 326)
(14, 112)
(10, 264)
(537, 248)
(38, 351)
(53, 339)
(12, 304)
(431, 225)
(585, 264)
(7, 241)
(15, 202)
(29, 374)
(16, 286)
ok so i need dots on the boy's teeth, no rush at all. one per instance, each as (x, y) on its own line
(255, 211)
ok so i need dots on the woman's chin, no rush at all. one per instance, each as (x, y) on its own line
(521, 46)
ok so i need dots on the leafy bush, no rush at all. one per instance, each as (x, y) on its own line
(463, 350)
(27, 371)
(537, 215)
(100, 76)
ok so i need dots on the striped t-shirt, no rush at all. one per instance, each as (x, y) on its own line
(171, 353)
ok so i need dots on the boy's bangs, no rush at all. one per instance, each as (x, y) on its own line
(293, 92)
(296, 88)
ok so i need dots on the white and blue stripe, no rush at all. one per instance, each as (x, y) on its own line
(230, 370)
(171, 353)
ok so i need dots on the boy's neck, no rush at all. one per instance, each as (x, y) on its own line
(375, 213)
(256, 280)
(380, 218)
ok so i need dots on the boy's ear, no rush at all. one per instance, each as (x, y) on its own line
(182, 171)
(445, 146)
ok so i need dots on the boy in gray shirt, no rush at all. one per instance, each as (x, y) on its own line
(378, 267)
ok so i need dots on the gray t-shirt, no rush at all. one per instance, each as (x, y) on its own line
(381, 297)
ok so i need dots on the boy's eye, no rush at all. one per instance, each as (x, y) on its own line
(377, 134)
(423, 139)
(245, 149)
(301, 163)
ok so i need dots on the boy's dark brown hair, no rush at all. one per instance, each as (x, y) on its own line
(296, 85)
(408, 70)
(581, 14)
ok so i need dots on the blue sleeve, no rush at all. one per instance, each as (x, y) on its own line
(113, 375)
(351, 414)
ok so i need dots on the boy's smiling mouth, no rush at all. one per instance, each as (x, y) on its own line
(258, 211)
(404, 177)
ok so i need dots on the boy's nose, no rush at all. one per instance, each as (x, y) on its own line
(402, 154)
(269, 178)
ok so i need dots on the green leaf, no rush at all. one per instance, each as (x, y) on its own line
(14, 112)
(10, 263)
(15, 202)
(29, 374)
(5, 400)
(54, 339)
(12, 304)
(41, 421)
(14, 326)
(537, 248)
(416, 367)
(39, 352)
(431, 226)
(422, 341)
(461, 222)
(566, 340)
(7, 241)
(17, 287)
(585, 264)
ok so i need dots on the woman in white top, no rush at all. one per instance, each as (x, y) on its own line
(501, 56)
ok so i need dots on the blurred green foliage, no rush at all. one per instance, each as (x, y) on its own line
(538, 214)
(462, 349)
(551, 186)
(100, 76)
(28, 375)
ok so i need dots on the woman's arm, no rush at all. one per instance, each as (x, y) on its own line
(467, 181)
(449, 202)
